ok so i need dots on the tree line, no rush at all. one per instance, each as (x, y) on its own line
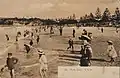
(97, 19)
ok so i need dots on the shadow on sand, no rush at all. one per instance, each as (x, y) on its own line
(58, 50)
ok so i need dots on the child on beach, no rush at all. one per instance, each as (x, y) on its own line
(38, 38)
(7, 37)
(70, 42)
(10, 63)
(111, 51)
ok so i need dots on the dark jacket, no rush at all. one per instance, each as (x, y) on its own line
(27, 48)
(31, 42)
(70, 42)
(11, 62)
(73, 31)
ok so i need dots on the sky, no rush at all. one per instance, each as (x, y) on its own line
(53, 8)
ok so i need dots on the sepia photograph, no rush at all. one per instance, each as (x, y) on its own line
(39, 36)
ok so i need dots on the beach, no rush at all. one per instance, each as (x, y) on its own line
(55, 49)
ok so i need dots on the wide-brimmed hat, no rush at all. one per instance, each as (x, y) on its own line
(85, 37)
(111, 42)
(40, 51)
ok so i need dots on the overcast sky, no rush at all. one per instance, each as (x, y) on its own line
(53, 8)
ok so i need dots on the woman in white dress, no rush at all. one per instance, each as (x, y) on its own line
(43, 64)
(111, 51)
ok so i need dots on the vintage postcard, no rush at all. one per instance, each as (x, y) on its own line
(38, 36)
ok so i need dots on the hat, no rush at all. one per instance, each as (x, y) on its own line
(85, 37)
(110, 42)
(40, 51)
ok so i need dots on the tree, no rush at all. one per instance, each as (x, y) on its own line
(106, 15)
(91, 16)
(85, 17)
(98, 13)
(117, 12)
(74, 16)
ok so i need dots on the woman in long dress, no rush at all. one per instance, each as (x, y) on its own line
(111, 51)
(43, 64)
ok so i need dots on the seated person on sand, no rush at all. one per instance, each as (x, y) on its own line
(38, 38)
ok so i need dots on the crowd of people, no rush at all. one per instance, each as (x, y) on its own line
(34, 34)
(86, 49)
(12, 61)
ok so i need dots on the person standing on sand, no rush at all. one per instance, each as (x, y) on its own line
(86, 52)
(43, 64)
(24, 34)
(116, 30)
(27, 48)
(31, 43)
(61, 30)
(10, 63)
(18, 33)
(111, 51)
(73, 32)
(40, 29)
(70, 42)
(36, 30)
(38, 38)
(44, 28)
(16, 38)
(102, 30)
(51, 31)
(32, 34)
(7, 37)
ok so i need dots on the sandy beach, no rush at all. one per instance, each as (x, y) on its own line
(55, 49)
